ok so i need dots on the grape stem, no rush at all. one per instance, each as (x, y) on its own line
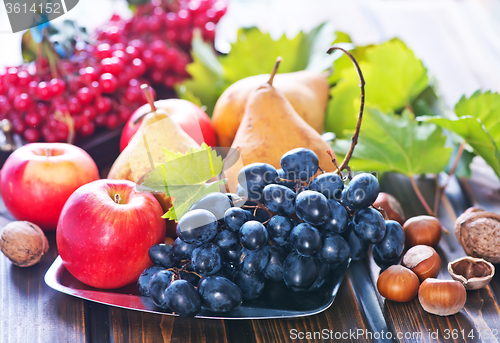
(421, 197)
(345, 162)
(440, 189)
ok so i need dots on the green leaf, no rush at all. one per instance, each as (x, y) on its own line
(388, 142)
(253, 53)
(394, 78)
(184, 177)
(473, 131)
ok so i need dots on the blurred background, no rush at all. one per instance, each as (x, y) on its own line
(458, 40)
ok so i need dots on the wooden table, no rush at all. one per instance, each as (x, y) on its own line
(459, 43)
(33, 312)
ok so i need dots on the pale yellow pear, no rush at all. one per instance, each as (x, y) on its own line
(270, 128)
(307, 91)
(157, 131)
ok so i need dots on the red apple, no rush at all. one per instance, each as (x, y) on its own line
(38, 178)
(189, 116)
(105, 231)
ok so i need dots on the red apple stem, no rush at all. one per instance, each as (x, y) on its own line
(48, 152)
(118, 198)
(275, 70)
(149, 96)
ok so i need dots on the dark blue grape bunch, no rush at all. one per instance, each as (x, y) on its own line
(293, 225)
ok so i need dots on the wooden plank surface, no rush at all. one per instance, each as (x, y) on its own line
(30, 310)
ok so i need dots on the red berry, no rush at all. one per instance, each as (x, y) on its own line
(13, 93)
(171, 20)
(183, 18)
(148, 57)
(44, 91)
(24, 79)
(200, 20)
(88, 75)
(155, 23)
(43, 109)
(18, 126)
(186, 37)
(138, 44)
(158, 47)
(89, 112)
(31, 135)
(124, 113)
(33, 119)
(103, 51)
(87, 129)
(172, 56)
(100, 120)
(103, 105)
(138, 67)
(208, 32)
(118, 46)
(108, 83)
(156, 76)
(23, 102)
(86, 95)
(132, 94)
(5, 105)
(58, 86)
(11, 76)
(172, 35)
(112, 121)
(121, 55)
(132, 52)
(33, 88)
(74, 106)
(169, 81)
(112, 65)
(161, 62)
(3, 87)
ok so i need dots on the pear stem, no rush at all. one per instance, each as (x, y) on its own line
(149, 96)
(348, 156)
(275, 70)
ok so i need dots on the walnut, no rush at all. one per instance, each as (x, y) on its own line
(24, 243)
(478, 232)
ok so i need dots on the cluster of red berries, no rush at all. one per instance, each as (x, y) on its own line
(161, 31)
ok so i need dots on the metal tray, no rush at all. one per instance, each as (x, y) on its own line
(277, 301)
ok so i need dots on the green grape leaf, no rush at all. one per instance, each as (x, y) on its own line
(478, 123)
(184, 177)
(394, 78)
(253, 53)
(389, 142)
(473, 131)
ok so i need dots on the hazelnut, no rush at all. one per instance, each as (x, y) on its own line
(479, 234)
(23, 243)
(422, 230)
(442, 297)
(391, 207)
(398, 283)
(473, 273)
(423, 261)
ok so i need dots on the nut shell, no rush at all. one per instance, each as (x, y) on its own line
(442, 297)
(23, 243)
(422, 230)
(423, 260)
(398, 283)
(473, 273)
(478, 232)
(391, 206)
